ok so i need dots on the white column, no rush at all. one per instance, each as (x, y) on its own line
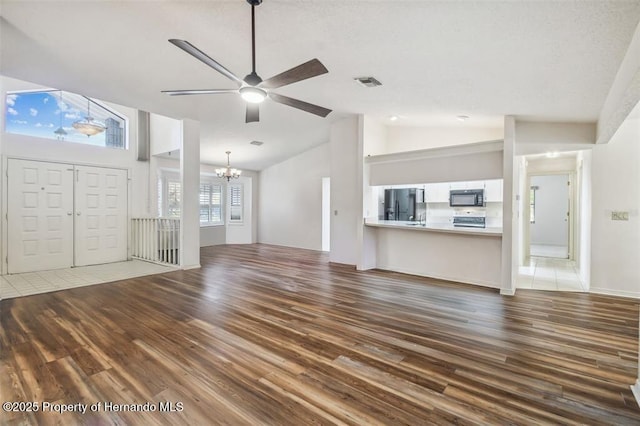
(508, 285)
(190, 185)
(346, 195)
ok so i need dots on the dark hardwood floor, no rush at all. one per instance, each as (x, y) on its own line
(272, 335)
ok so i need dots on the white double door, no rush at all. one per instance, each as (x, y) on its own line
(63, 215)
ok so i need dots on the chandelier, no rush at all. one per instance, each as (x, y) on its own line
(88, 126)
(228, 172)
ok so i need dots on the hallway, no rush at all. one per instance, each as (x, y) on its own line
(546, 273)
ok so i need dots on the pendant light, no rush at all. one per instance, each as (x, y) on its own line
(88, 126)
(228, 172)
(60, 132)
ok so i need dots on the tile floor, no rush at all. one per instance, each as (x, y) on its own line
(26, 284)
(540, 250)
(545, 273)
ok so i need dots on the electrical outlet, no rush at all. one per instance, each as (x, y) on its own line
(619, 215)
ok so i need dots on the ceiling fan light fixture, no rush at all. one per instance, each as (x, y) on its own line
(252, 88)
(253, 95)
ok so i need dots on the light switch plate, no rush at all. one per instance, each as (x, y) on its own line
(619, 215)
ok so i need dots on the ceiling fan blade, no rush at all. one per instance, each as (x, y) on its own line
(313, 68)
(198, 92)
(305, 106)
(199, 54)
(253, 113)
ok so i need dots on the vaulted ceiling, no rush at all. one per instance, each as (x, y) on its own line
(552, 61)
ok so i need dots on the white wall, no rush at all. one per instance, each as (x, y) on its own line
(213, 235)
(290, 200)
(624, 94)
(28, 147)
(326, 214)
(583, 217)
(538, 137)
(616, 187)
(472, 259)
(244, 233)
(464, 163)
(405, 138)
(189, 194)
(374, 141)
(522, 204)
(373, 136)
(544, 165)
(510, 244)
(164, 133)
(346, 195)
(551, 206)
(238, 233)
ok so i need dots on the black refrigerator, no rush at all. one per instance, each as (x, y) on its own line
(400, 204)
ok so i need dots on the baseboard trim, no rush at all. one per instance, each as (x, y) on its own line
(636, 391)
(609, 292)
(331, 262)
(438, 277)
(508, 291)
(196, 266)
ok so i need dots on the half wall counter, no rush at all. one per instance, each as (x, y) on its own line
(467, 255)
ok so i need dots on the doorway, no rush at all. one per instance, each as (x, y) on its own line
(549, 216)
(63, 215)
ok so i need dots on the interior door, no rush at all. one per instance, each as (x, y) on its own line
(100, 215)
(549, 227)
(40, 215)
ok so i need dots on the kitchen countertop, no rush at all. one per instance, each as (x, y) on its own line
(433, 227)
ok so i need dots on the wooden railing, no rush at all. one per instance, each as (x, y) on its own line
(156, 240)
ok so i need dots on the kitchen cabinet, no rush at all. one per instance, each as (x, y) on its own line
(437, 192)
(493, 190)
(457, 185)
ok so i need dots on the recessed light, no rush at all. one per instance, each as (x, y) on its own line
(393, 118)
(256, 143)
(462, 117)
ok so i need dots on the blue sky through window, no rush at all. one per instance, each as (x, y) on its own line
(40, 114)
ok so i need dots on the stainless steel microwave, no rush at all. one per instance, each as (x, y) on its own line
(466, 198)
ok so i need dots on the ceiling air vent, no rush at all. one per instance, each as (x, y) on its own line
(368, 81)
(256, 143)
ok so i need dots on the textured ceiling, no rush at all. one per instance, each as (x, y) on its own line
(552, 60)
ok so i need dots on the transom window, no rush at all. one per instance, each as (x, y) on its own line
(51, 114)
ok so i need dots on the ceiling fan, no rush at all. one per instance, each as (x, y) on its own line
(252, 88)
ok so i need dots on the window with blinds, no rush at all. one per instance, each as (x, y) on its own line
(210, 204)
(210, 199)
(173, 198)
(235, 203)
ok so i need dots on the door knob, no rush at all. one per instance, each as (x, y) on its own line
(69, 214)
(78, 214)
